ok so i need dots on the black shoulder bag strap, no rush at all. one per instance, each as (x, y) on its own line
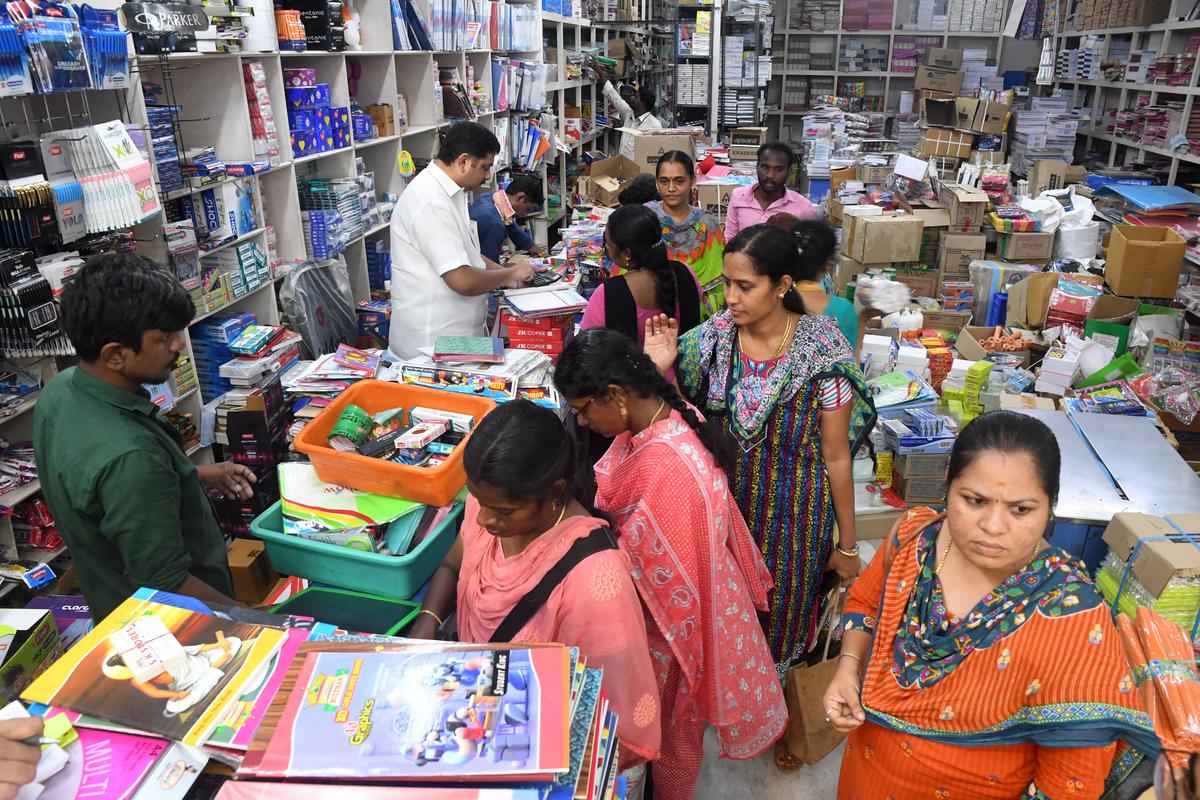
(620, 309)
(598, 540)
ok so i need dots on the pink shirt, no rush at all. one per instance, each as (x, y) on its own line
(745, 210)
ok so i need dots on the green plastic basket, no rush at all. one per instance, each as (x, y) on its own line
(397, 577)
(356, 612)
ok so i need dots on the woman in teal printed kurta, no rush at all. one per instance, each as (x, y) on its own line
(789, 391)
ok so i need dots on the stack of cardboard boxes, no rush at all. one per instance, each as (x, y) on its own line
(955, 129)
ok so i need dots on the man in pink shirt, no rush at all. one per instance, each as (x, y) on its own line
(751, 205)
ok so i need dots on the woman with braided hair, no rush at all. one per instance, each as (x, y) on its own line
(649, 282)
(699, 574)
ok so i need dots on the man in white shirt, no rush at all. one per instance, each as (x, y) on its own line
(636, 108)
(440, 280)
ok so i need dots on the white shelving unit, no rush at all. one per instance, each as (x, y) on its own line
(887, 85)
(1094, 97)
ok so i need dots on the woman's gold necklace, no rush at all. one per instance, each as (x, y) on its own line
(787, 332)
(945, 554)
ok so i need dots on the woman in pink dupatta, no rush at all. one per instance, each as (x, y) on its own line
(697, 569)
(520, 522)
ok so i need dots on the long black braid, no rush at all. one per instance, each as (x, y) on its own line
(637, 229)
(599, 358)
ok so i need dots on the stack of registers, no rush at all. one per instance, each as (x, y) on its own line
(259, 352)
(920, 445)
(280, 698)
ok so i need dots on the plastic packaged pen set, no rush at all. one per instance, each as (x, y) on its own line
(46, 47)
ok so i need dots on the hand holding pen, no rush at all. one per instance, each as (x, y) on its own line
(18, 760)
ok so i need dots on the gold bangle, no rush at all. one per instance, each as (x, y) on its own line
(851, 553)
(851, 655)
(436, 618)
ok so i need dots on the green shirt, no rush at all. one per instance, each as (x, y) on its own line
(127, 499)
(842, 310)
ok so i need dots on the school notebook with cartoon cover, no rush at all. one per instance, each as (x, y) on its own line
(418, 713)
(167, 671)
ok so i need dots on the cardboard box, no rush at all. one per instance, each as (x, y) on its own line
(877, 525)
(945, 143)
(989, 157)
(947, 323)
(626, 53)
(981, 116)
(844, 271)
(936, 79)
(939, 113)
(870, 174)
(607, 178)
(714, 198)
(966, 206)
(1165, 553)
(748, 137)
(747, 153)
(943, 57)
(956, 251)
(1029, 298)
(1026, 402)
(1050, 173)
(922, 282)
(647, 147)
(883, 239)
(969, 343)
(1025, 246)
(251, 571)
(34, 646)
(1144, 261)
(837, 177)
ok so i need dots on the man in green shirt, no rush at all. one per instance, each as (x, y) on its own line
(130, 504)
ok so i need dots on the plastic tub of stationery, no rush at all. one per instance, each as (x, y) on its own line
(354, 612)
(389, 576)
(434, 486)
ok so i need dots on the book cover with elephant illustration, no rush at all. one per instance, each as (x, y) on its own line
(429, 715)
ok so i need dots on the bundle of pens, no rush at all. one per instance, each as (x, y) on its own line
(28, 313)
(17, 466)
(14, 65)
(53, 40)
(107, 51)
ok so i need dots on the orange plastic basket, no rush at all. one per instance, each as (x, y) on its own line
(434, 486)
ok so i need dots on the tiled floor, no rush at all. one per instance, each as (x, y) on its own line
(760, 780)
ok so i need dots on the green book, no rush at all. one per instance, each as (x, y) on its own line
(468, 349)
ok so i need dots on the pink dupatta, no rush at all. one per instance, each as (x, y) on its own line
(595, 608)
(700, 576)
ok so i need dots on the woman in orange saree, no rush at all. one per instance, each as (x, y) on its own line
(989, 667)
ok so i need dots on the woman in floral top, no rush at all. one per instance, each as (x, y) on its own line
(989, 667)
(692, 234)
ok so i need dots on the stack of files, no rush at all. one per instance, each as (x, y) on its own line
(149, 639)
(327, 376)
(550, 303)
(277, 358)
(494, 716)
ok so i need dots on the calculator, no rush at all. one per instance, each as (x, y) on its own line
(544, 278)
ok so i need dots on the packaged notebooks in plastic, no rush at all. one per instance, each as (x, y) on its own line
(427, 712)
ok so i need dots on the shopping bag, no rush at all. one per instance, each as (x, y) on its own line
(809, 736)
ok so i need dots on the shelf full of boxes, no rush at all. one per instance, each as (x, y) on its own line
(873, 50)
(745, 63)
(1131, 69)
(620, 30)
